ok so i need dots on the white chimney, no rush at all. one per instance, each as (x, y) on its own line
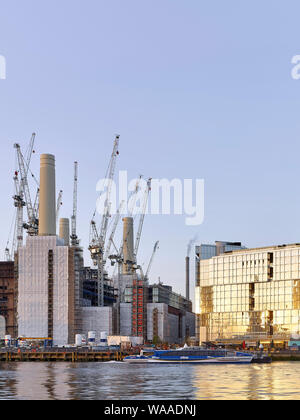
(64, 230)
(47, 209)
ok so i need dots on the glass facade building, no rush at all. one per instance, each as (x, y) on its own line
(248, 293)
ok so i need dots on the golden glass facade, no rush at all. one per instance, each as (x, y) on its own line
(250, 293)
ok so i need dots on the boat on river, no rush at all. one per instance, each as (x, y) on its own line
(199, 355)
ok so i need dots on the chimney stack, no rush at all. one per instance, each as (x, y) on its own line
(64, 230)
(47, 210)
(187, 277)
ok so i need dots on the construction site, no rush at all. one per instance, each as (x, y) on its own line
(47, 292)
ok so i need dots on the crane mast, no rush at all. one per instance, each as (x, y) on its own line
(19, 203)
(74, 237)
(156, 247)
(32, 225)
(132, 199)
(111, 173)
(112, 235)
(58, 205)
(19, 197)
(97, 241)
(142, 218)
(131, 205)
(37, 202)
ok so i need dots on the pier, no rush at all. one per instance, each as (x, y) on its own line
(63, 356)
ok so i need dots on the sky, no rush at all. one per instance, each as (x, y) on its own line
(196, 89)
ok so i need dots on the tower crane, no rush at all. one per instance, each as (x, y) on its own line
(112, 235)
(119, 256)
(131, 204)
(97, 240)
(111, 173)
(32, 225)
(59, 204)
(74, 237)
(19, 203)
(142, 218)
(156, 247)
(19, 200)
(131, 199)
(37, 202)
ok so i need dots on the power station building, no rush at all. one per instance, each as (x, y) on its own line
(247, 294)
(47, 293)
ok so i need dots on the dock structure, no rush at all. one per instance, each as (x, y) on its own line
(67, 355)
(64, 356)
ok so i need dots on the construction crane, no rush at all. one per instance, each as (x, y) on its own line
(119, 256)
(132, 199)
(58, 204)
(32, 225)
(114, 228)
(156, 247)
(19, 204)
(97, 240)
(142, 218)
(37, 201)
(131, 204)
(9, 253)
(74, 237)
(19, 201)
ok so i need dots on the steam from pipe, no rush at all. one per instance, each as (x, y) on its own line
(190, 245)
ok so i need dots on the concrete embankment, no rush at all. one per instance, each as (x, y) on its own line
(64, 356)
(285, 357)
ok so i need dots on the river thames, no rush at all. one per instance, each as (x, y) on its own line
(119, 381)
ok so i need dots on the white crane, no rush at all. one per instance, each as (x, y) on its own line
(74, 237)
(112, 235)
(111, 173)
(142, 218)
(132, 197)
(156, 247)
(58, 204)
(19, 201)
(130, 205)
(97, 240)
(32, 225)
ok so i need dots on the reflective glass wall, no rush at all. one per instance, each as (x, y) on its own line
(249, 293)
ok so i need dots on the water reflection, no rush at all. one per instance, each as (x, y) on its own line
(253, 382)
(115, 381)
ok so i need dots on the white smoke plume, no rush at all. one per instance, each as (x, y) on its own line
(190, 245)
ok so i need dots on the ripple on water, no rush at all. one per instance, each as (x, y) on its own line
(117, 381)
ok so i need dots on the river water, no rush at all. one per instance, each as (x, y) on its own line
(119, 381)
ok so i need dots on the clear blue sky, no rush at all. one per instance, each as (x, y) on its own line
(196, 89)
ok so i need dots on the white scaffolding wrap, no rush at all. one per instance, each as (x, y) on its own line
(33, 283)
(60, 295)
(125, 319)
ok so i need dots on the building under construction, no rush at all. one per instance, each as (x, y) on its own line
(48, 292)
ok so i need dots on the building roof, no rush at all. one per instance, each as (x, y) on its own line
(274, 247)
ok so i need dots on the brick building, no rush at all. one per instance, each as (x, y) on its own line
(7, 298)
